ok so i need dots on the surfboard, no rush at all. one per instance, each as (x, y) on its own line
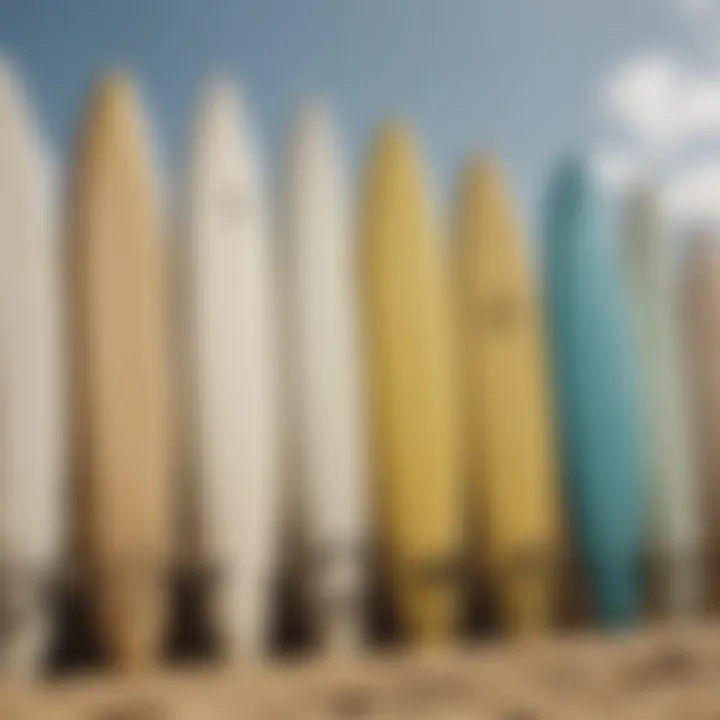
(414, 430)
(229, 270)
(324, 326)
(121, 374)
(674, 530)
(701, 315)
(595, 394)
(32, 452)
(509, 442)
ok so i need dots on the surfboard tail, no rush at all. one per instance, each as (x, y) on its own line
(685, 590)
(28, 622)
(132, 617)
(336, 587)
(526, 590)
(240, 609)
(616, 594)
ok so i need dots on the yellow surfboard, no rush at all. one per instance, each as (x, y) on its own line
(508, 445)
(121, 385)
(413, 431)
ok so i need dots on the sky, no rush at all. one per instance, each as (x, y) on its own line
(634, 84)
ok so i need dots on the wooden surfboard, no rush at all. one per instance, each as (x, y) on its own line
(229, 272)
(508, 444)
(32, 453)
(674, 530)
(701, 313)
(330, 449)
(595, 394)
(121, 375)
(408, 341)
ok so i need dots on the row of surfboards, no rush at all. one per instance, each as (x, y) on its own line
(348, 382)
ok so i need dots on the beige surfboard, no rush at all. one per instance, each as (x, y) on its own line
(32, 425)
(120, 375)
(228, 261)
(328, 417)
(674, 529)
(413, 424)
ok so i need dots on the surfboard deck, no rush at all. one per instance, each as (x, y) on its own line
(121, 377)
(674, 546)
(229, 269)
(413, 424)
(595, 394)
(509, 441)
(323, 325)
(32, 453)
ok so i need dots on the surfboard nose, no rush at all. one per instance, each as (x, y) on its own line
(313, 119)
(114, 110)
(569, 190)
(115, 91)
(221, 100)
(8, 82)
(395, 139)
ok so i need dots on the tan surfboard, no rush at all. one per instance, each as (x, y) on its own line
(702, 333)
(121, 385)
(509, 446)
(413, 428)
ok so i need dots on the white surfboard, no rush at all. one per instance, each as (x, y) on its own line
(674, 531)
(324, 364)
(228, 268)
(32, 491)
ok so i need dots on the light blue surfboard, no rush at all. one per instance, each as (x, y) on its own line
(595, 394)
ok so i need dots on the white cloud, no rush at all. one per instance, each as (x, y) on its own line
(661, 104)
(665, 112)
(694, 194)
(701, 107)
(644, 98)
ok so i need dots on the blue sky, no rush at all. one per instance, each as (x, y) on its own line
(525, 79)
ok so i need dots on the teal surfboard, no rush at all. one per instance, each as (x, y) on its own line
(595, 394)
